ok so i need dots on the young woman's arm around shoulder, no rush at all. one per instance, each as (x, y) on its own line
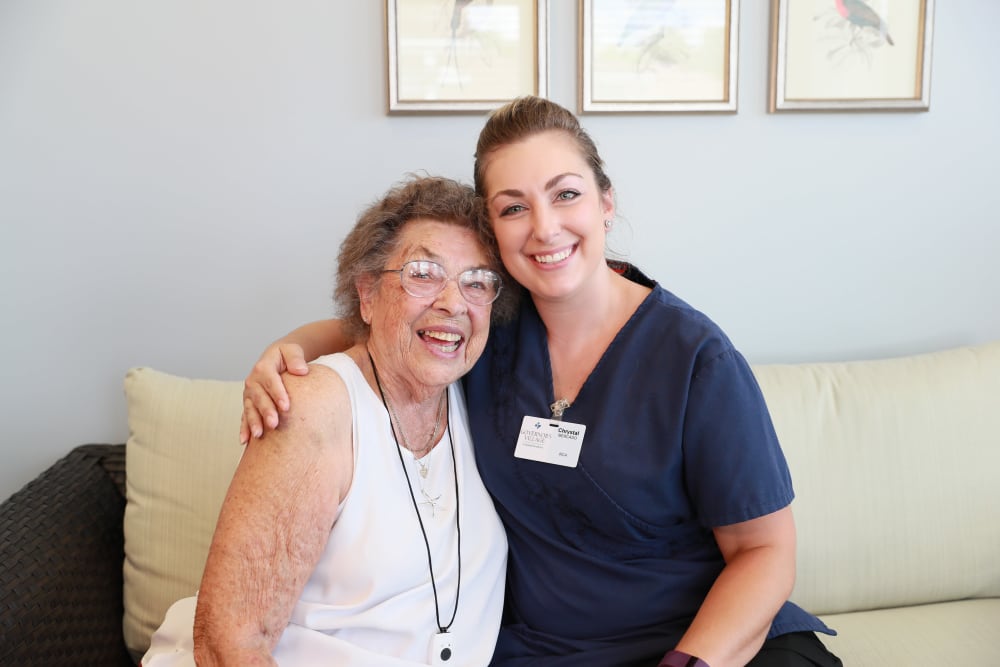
(274, 524)
(734, 619)
(264, 394)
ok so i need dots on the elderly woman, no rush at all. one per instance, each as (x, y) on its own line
(359, 533)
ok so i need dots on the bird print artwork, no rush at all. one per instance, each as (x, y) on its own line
(465, 52)
(460, 29)
(647, 31)
(857, 28)
(658, 51)
(861, 17)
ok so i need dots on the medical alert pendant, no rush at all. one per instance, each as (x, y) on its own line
(441, 653)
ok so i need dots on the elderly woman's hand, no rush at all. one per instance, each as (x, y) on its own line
(264, 393)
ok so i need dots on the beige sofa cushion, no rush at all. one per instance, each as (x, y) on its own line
(182, 450)
(949, 633)
(896, 466)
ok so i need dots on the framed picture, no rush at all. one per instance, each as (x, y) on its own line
(464, 55)
(658, 55)
(850, 54)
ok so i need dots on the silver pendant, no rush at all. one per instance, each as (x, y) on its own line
(559, 407)
(430, 502)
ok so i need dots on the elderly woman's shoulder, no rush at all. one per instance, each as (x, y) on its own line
(321, 390)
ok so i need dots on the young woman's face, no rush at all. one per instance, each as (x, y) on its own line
(433, 340)
(547, 213)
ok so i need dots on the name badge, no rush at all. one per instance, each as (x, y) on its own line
(547, 441)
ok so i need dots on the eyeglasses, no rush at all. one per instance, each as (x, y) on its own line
(422, 278)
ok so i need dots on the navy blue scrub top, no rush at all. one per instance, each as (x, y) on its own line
(610, 560)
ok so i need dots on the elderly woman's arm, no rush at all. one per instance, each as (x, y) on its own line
(733, 621)
(264, 395)
(274, 524)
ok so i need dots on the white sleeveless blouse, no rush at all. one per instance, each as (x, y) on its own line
(370, 602)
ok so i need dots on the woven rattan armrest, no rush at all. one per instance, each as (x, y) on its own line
(61, 553)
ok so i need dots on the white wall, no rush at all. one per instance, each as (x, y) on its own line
(175, 178)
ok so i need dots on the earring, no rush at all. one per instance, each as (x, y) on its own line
(607, 225)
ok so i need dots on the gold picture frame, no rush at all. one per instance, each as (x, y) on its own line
(850, 55)
(658, 55)
(464, 55)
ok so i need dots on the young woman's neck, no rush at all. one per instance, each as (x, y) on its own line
(596, 307)
(578, 330)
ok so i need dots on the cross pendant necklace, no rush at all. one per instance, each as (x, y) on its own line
(429, 501)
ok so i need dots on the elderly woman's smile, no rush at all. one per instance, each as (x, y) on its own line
(448, 341)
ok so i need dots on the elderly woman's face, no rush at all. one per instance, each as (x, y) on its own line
(428, 340)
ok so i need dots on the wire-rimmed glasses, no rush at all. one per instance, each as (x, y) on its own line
(423, 278)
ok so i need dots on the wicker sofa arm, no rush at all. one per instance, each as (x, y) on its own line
(61, 553)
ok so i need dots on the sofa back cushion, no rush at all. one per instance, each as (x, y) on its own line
(896, 466)
(182, 450)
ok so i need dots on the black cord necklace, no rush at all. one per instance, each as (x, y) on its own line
(430, 565)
